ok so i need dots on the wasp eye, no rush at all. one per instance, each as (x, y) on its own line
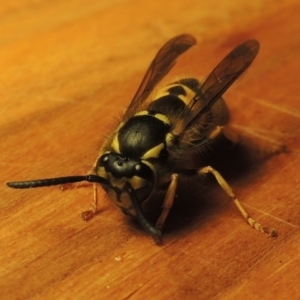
(103, 160)
(144, 171)
(138, 168)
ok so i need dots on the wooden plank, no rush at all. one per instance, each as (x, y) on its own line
(68, 70)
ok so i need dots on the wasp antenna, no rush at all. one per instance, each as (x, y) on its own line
(45, 182)
(55, 181)
(140, 215)
(96, 179)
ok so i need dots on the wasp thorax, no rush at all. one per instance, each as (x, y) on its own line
(143, 136)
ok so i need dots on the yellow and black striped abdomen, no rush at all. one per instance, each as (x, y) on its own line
(174, 100)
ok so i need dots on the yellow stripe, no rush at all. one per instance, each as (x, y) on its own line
(153, 152)
(115, 144)
(185, 98)
(158, 116)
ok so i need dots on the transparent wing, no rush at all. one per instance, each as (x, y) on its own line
(160, 66)
(219, 80)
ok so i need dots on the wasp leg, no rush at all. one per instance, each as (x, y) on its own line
(75, 185)
(168, 202)
(89, 214)
(227, 132)
(230, 193)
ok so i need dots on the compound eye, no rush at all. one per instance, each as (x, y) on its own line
(103, 160)
(144, 171)
(138, 167)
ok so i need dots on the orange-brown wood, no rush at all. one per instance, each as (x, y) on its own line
(68, 70)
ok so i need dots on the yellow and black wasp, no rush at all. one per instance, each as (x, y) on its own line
(163, 135)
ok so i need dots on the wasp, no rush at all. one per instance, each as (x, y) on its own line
(162, 137)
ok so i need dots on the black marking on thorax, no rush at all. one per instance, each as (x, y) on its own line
(140, 134)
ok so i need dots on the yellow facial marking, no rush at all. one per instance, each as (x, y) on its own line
(137, 182)
(101, 172)
(117, 182)
(124, 201)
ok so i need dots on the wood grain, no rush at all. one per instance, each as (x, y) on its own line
(68, 70)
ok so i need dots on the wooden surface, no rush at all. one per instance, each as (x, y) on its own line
(68, 69)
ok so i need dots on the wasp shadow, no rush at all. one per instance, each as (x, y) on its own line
(202, 196)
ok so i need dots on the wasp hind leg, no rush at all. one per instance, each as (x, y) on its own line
(222, 182)
(227, 132)
(89, 214)
(167, 205)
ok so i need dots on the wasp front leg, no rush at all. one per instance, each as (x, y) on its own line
(74, 185)
(89, 214)
(230, 193)
(168, 202)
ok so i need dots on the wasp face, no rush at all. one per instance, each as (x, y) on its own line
(119, 171)
(120, 166)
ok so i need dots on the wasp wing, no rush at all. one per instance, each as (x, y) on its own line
(219, 80)
(160, 66)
